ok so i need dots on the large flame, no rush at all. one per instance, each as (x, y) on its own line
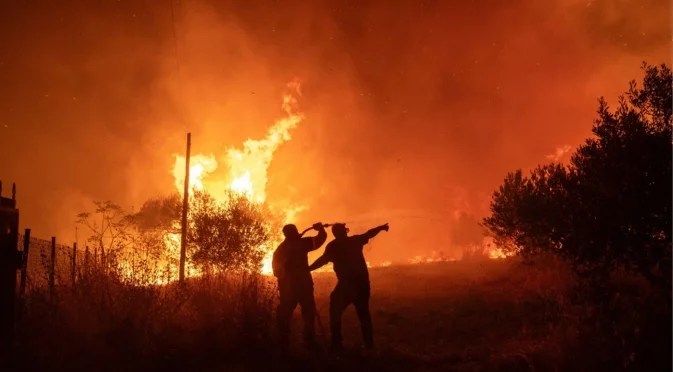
(247, 174)
(200, 166)
(248, 166)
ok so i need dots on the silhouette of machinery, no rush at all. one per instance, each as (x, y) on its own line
(9, 264)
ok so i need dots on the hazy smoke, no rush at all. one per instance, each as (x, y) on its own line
(410, 106)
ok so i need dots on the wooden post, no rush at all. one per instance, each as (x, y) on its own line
(52, 266)
(24, 263)
(74, 263)
(86, 259)
(185, 208)
(133, 263)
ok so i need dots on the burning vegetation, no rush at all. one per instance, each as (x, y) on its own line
(232, 226)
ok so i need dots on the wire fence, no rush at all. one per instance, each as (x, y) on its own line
(49, 264)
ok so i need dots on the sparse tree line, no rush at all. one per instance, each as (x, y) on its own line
(136, 245)
(610, 207)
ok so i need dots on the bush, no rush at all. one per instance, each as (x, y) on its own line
(234, 236)
(611, 207)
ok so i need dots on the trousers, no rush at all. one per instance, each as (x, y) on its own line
(291, 294)
(344, 294)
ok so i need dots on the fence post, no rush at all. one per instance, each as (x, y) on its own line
(74, 263)
(86, 259)
(52, 266)
(24, 263)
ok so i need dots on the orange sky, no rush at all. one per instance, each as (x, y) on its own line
(415, 110)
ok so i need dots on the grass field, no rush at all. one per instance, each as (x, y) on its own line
(483, 315)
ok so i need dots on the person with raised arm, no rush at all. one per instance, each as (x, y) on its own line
(353, 287)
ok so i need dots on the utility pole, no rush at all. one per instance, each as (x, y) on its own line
(185, 209)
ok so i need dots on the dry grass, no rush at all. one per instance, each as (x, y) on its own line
(478, 315)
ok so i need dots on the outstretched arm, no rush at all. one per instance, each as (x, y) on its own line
(363, 239)
(375, 231)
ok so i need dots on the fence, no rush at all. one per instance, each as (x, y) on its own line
(49, 264)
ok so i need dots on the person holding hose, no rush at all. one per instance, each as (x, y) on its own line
(295, 283)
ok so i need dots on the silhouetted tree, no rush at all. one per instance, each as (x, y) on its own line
(229, 236)
(612, 205)
(156, 218)
(527, 212)
(159, 213)
(225, 235)
(110, 230)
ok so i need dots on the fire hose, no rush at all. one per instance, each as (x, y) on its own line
(323, 225)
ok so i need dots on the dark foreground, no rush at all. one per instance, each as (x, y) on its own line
(488, 315)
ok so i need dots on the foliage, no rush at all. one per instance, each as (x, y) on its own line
(527, 215)
(611, 207)
(157, 218)
(229, 236)
(110, 230)
(159, 213)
